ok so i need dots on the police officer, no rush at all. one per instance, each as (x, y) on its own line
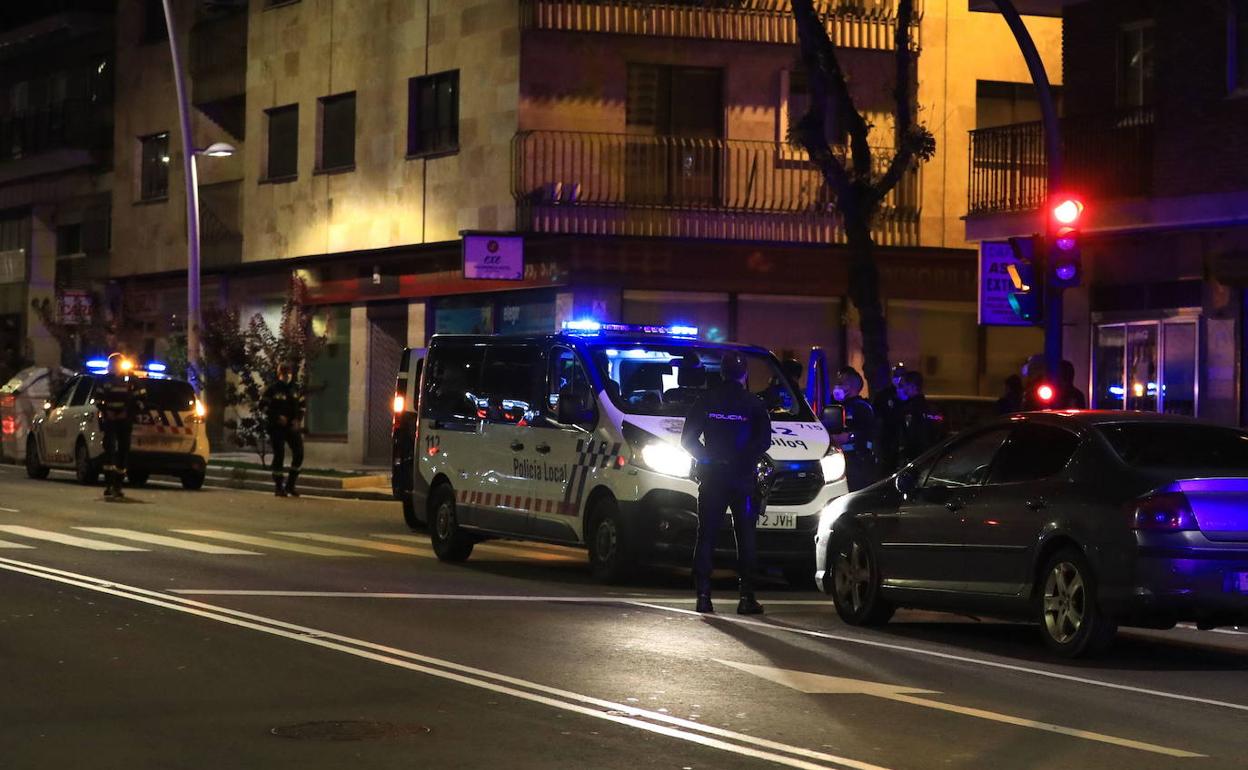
(858, 439)
(888, 409)
(920, 426)
(283, 406)
(727, 432)
(118, 405)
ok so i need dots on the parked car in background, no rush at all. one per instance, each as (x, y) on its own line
(21, 401)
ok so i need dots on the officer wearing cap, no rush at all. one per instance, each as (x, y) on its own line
(283, 405)
(727, 432)
(118, 405)
(857, 441)
(888, 413)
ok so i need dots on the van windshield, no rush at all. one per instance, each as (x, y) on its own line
(666, 379)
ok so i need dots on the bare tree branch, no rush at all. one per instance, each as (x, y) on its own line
(910, 141)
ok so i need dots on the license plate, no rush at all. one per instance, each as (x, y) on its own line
(774, 520)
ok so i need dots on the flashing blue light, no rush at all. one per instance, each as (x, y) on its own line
(683, 331)
(587, 326)
(156, 366)
(1117, 390)
(97, 363)
(583, 325)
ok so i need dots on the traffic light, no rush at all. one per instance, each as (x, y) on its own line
(1065, 252)
(1025, 297)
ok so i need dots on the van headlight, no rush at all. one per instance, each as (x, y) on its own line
(833, 465)
(662, 457)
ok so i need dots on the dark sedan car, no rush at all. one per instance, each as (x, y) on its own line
(1081, 521)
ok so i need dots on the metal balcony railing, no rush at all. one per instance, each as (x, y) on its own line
(1104, 156)
(851, 23)
(72, 124)
(625, 184)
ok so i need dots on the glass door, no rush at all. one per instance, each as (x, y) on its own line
(1147, 366)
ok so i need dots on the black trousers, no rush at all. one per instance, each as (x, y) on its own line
(116, 449)
(861, 470)
(279, 437)
(714, 501)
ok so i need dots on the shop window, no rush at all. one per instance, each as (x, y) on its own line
(154, 167)
(526, 316)
(1136, 63)
(329, 374)
(337, 133)
(707, 311)
(433, 114)
(463, 316)
(283, 146)
(1146, 366)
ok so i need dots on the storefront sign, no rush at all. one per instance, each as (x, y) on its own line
(76, 307)
(494, 257)
(13, 266)
(995, 285)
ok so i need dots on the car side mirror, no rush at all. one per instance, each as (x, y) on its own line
(833, 418)
(907, 481)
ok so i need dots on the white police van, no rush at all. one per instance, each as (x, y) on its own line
(574, 438)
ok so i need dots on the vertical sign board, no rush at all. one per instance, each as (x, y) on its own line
(995, 285)
(494, 257)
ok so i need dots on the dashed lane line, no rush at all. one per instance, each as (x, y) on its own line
(268, 542)
(57, 537)
(170, 542)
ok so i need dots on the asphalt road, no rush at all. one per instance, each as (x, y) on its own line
(232, 629)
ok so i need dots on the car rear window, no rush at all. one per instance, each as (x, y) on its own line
(169, 395)
(1195, 447)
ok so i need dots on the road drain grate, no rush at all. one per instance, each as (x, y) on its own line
(355, 730)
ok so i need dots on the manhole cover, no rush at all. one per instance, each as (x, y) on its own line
(348, 731)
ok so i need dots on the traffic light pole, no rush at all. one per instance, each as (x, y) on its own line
(1053, 154)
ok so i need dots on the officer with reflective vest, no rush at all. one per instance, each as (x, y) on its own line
(283, 408)
(857, 440)
(118, 404)
(728, 432)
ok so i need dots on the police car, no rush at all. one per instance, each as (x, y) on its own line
(169, 435)
(574, 438)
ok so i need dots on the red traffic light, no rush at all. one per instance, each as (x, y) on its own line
(1067, 210)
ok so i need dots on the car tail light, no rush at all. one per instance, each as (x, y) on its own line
(8, 426)
(8, 401)
(399, 403)
(1163, 512)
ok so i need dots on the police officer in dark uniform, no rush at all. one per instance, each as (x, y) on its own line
(858, 439)
(888, 408)
(118, 404)
(284, 406)
(727, 432)
(921, 427)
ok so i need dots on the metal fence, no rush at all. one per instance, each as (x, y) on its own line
(1104, 156)
(71, 124)
(626, 184)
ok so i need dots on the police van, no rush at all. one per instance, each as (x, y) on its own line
(574, 438)
(169, 434)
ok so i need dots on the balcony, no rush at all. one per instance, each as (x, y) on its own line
(1105, 156)
(624, 184)
(56, 138)
(221, 224)
(865, 24)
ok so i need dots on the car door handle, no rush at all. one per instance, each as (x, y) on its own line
(1037, 505)
(543, 449)
(516, 446)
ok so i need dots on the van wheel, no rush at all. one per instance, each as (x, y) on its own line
(610, 549)
(1071, 619)
(409, 513)
(193, 480)
(450, 543)
(137, 478)
(86, 471)
(34, 469)
(856, 590)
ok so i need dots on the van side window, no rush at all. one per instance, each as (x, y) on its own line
(567, 384)
(453, 383)
(509, 384)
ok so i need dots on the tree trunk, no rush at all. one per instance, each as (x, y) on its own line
(864, 292)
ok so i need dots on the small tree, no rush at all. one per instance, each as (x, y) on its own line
(858, 190)
(244, 359)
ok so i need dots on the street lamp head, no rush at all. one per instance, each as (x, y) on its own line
(218, 150)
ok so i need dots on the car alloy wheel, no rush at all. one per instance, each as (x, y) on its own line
(1065, 602)
(606, 540)
(856, 590)
(852, 576)
(445, 520)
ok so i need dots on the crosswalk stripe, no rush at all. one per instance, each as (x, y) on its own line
(268, 542)
(171, 542)
(359, 542)
(7, 544)
(57, 537)
(517, 550)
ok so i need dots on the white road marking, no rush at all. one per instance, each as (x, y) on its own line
(7, 544)
(165, 540)
(597, 708)
(516, 550)
(955, 658)
(57, 537)
(268, 542)
(10, 510)
(427, 597)
(359, 542)
(811, 683)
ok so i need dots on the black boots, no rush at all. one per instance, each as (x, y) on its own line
(279, 488)
(290, 482)
(704, 604)
(749, 605)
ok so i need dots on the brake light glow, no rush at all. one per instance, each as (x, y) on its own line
(1164, 512)
(1045, 393)
(201, 411)
(8, 426)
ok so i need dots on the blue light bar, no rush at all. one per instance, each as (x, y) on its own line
(595, 327)
(97, 363)
(156, 366)
(585, 325)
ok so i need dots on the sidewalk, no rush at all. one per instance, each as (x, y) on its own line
(242, 470)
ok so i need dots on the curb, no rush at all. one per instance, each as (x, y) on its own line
(347, 488)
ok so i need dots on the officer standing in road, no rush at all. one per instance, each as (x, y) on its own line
(857, 440)
(920, 427)
(284, 406)
(727, 432)
(118, 405)
(888, 409)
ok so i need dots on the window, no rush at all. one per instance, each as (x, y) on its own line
(433, 114)
(154, 170)
(329, 374)
(509, 384)
(1135, 64)
(797, 104)
(62, 397)
(1237, 47)
(82, 392)
(686, 104)
(564, 376)
(1178, 447)
(154, 29)
(967, 462)
(68, 240)
(1146, 365)
(283, 147)
(452, 381)
(337, 139)
(1033, 453)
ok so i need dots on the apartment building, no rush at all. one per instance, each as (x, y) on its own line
(1153, 136)
(633, 154)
